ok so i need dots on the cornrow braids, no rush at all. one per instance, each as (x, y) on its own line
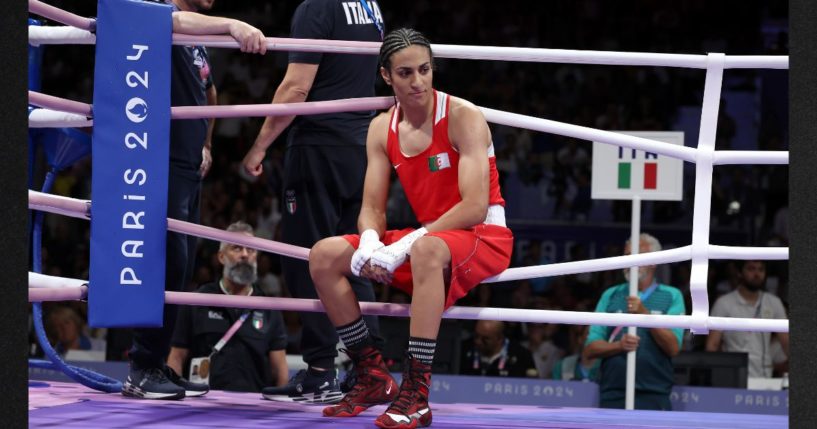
(400, 39)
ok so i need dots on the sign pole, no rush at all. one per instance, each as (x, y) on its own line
(635, 245)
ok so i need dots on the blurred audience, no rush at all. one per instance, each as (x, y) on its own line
(490, 352)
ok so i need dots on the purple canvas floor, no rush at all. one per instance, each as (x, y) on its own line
(67, 405)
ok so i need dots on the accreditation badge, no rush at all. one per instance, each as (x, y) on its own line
(200, 370)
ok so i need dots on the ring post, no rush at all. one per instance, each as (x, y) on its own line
(701, 214)
(130, 164)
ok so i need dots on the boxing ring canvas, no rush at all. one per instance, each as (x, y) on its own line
(70, 405)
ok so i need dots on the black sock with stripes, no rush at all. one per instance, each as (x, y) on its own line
(422, 349)
(355, 335)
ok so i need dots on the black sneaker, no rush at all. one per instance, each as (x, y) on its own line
(191, 389)
(151, 383)
(349, 380)
(306, 388)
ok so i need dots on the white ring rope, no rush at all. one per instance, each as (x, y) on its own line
(51, 35)
(470, 52)
(757, 157)
(491, 115)
(81, 208)
(47, 118)
(403, 310)
(37, 280)
(591, 134)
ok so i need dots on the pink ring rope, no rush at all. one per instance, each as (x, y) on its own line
(233, 111)
(46, 10)
(56, 103)
(61, 294)
(469, 313)
(283, 44)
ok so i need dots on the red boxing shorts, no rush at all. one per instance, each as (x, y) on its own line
(476, 254)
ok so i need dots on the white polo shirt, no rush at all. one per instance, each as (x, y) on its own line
(757, 344)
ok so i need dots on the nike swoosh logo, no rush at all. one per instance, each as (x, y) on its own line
(388, 389)
(399, 418)
(397, 165)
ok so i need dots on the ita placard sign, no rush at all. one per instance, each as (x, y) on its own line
(621, 173)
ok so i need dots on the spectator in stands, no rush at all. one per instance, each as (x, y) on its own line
(543, 349)
(654, 347)
(750, 300)
(491, 353)
(575, 366)
(68, 330)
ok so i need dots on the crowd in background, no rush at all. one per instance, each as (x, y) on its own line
(749, 203)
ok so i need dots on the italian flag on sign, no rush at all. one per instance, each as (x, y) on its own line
(650, 175)
(438, 162)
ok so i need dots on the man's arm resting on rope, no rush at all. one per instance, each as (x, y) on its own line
(249, 38)
(294, 88)
(206, 151)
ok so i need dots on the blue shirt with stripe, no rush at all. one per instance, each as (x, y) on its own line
(654, 371)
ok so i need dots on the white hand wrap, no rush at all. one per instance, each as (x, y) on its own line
(369, 242)
(392, 256)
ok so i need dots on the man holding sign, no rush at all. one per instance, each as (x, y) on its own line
(654, 347)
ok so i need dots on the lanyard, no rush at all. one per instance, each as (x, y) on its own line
(503, 357)
(644, 296)
(763, 341)
(369, 12)
(233, 329)
(582, 370)
(759, 305)
(230, 332)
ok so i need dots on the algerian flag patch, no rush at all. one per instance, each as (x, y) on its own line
(438, 162)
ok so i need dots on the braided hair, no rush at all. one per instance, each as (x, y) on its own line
(400, 39)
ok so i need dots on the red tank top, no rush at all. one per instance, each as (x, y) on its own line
(430, 178)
